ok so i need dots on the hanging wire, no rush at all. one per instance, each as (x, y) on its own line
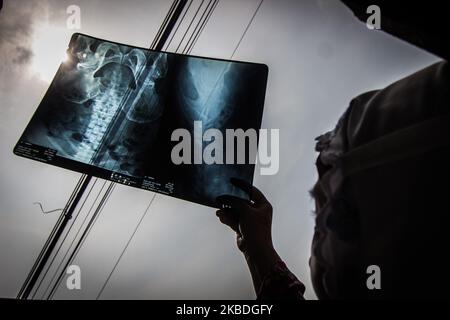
(189, 26)
(46, 212)
(164, 24)
(179, 24)
(73, 240)
(83, 237)
(197, 25)
(126, 247)
(205, 22)
(246, 29)
(64, 239)
(26, 287)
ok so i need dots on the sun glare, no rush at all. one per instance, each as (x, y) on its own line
(49, 50)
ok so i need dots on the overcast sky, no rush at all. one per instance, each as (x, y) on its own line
(319, 57)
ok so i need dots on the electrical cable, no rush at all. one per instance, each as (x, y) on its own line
(83, 238)
(126, 247)
(63, 240)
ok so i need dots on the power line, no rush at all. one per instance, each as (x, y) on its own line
(205, 22)
(63, 240)
(179, 24)
(73, 240)
(83, 237)
(189, 26)
(246, 29)
(54, 238)
(126, 247)
(196, 26)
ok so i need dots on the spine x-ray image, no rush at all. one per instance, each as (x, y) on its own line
(111, 109)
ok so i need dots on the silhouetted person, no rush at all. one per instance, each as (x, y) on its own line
(382, 197)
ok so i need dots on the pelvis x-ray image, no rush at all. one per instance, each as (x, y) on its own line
(111, 110)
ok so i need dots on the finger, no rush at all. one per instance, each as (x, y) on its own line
(233, 203)
(241, 243)
(256, 196)
(229, 219)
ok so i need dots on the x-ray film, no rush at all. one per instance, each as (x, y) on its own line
(111, 109)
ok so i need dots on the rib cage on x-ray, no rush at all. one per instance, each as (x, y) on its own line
(111, 109)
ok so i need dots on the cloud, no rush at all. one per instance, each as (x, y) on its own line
(17, 24)
(16, 31)
(23, 56)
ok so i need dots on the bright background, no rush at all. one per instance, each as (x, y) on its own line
(319, 57)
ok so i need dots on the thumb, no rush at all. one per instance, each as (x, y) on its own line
(229, 218)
